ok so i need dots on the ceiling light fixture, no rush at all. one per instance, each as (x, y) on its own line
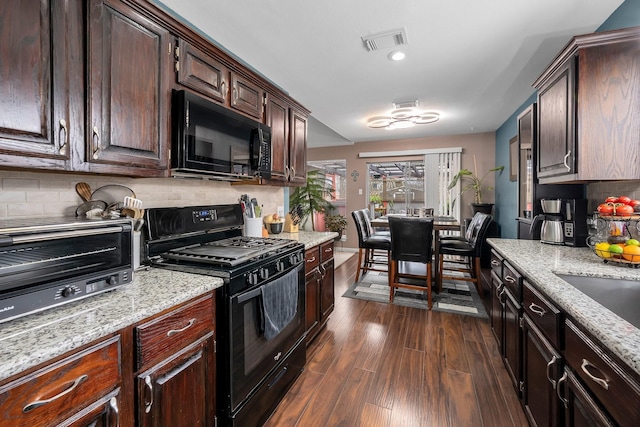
(396, 55)
(404, 115)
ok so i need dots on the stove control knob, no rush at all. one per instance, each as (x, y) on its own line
(112, 280)
(293, 259)
(252, 278)
(264, 273)
(280, 266)
(68, 291)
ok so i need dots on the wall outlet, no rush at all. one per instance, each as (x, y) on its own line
(280, 210)
(359, 191)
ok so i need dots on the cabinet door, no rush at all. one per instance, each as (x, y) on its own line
(246, 96)
(580, 409)
(497, 309)
(179, 392)
(278, 119)
(298, 148)
(327, 297)
(104, 413)
(609, 111)
(556, 136)
(313, 316)
(540, 371)
(201, 72)
(41, 65)
(129, 91)
(512, 340)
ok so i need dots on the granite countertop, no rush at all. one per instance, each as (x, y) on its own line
(540, 262)
(36, 338)
(309, 238)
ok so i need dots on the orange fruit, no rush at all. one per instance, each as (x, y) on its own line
(631, 253)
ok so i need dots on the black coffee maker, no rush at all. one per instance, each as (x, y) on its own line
(575, 222)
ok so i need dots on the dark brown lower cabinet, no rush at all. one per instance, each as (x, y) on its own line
(312, 323)
(497, 309)
(104, 413)
(512, 340)
(327, 294)
(541, 365)
(179, 391)
(579, 407)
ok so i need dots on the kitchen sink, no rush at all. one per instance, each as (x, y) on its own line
(620, 296)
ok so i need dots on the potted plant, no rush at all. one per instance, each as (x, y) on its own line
(336, 223)
(474, 182)
(312, 197)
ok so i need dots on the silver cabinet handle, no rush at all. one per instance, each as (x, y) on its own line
(601, 382)
(235, 94)
(33, 405)
(113, 403)
(494, 262)
(149, 404)
(63, 143)
(537, 310)
(501, 291)
(566, 160)
(286, 172)
(96, 136)
(293, 171)
(553, 360)
(177, 331)
(311, 259)
(560, 381)
(223, 90)
(509, 279)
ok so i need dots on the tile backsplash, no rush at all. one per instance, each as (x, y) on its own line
(598, 191)
(43, 194)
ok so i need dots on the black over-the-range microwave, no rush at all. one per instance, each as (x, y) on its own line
(209, 139)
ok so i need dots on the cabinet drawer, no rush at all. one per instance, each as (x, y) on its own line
(326, 251)
(496, 263)
(311, 259)
(616, 390)
(512, 280)
(62, 389)
(542, 313)
(167, 334)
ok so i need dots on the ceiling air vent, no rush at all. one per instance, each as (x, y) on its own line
(385, 39)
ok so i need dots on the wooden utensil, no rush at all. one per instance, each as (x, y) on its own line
(84, 191)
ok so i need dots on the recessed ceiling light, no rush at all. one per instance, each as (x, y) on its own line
(396, 55)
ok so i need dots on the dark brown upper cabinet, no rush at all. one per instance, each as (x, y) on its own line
(246, 96)
(40, 65)
(129, 62)
(277, 117)
(298, 148)
(202, 72)
(588, 109)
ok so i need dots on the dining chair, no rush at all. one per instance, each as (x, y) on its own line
(368, 243)
(467, 250)
(411, 255)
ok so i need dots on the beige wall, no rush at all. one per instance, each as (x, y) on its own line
(480, 144)
(39, 194)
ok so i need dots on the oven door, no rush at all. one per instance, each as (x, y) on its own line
(253, 357)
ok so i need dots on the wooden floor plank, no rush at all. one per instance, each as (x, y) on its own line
(293, 404)
(435, 382)
(351, 403)
(408, 397)
(375, 416)
(463, 406)
(471, 329)
(454, 343)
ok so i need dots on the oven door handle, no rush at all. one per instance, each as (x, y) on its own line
(41, 237)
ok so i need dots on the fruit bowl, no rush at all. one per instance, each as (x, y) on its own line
(628, 255)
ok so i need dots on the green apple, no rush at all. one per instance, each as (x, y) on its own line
(632, 242)
(615, 249)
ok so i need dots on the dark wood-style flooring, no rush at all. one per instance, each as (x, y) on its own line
(384, 365)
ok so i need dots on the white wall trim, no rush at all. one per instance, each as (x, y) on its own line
(368, 154)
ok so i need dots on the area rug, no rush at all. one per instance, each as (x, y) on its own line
(456, 296)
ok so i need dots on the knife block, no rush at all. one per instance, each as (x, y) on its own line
(289, 226)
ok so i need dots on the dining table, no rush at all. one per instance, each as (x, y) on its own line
(440, 224)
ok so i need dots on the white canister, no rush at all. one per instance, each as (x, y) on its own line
(253, 227)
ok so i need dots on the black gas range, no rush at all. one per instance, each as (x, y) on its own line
(260, 351)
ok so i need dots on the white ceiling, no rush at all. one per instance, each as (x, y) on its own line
(472, 61)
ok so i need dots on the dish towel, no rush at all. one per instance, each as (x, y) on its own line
(279, 303)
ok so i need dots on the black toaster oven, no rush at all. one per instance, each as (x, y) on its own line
(49, 262)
